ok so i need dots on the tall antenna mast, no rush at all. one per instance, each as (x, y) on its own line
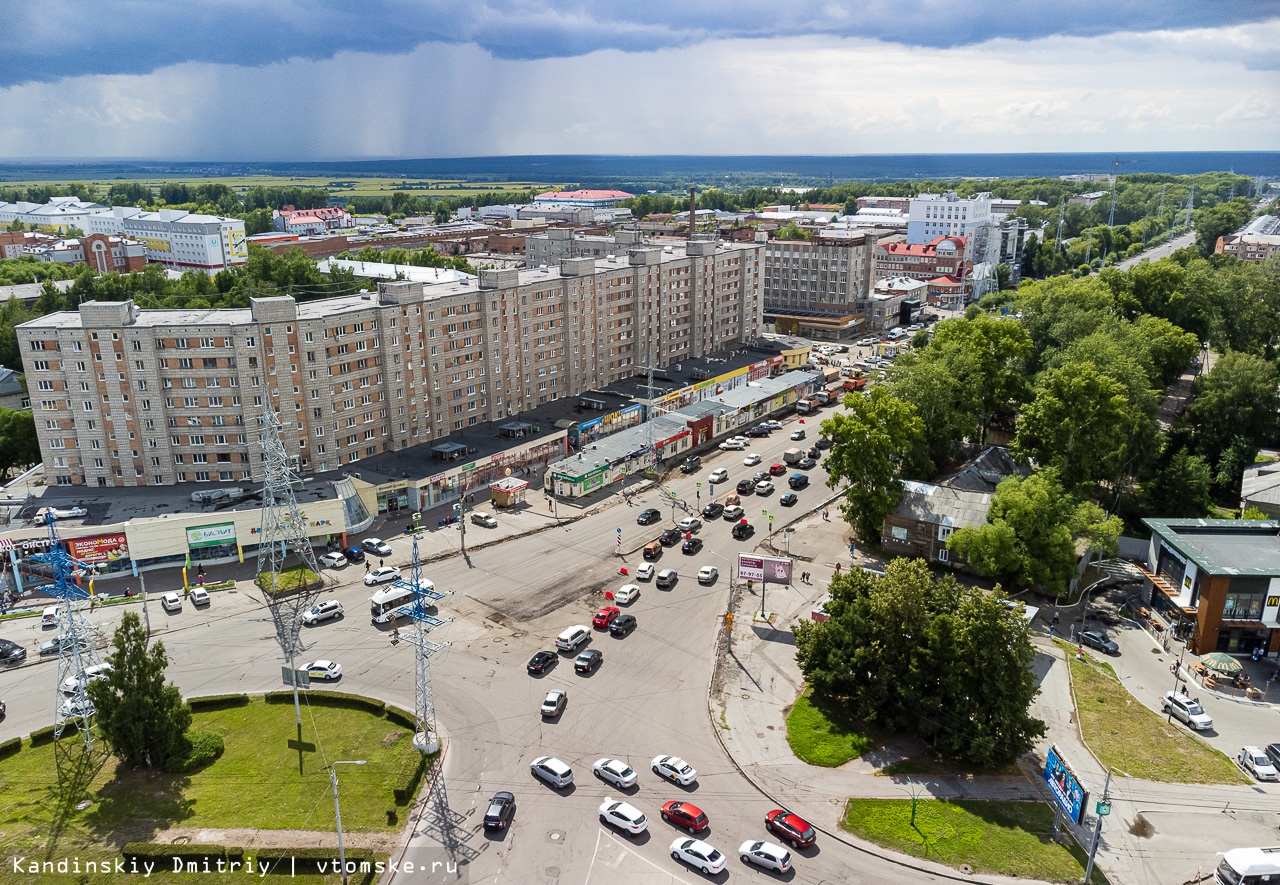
(284, 531)
(425, 737)
(1115, 171)
(75, 639)
(1062, 217)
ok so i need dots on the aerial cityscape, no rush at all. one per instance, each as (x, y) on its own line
(821, 442)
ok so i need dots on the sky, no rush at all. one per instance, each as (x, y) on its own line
(234, 80)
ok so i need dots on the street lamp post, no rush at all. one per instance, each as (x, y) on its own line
(337, 812)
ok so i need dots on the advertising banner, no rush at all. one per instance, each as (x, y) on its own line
(1065, 786)
(100, 548)
(766, 569)
(211, 535)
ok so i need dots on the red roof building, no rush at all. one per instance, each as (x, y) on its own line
(589, 199)
(941, 256)
(311, 221)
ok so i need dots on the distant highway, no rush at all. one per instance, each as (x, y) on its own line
(1157, 252)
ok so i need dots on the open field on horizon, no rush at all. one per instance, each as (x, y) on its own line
(346, 186)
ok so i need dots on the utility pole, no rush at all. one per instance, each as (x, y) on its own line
(337, 812)
(1101, 810)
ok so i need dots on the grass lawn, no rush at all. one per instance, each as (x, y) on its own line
(1139, 741)
(255, 784)
(939, 767)
(1006, 838)
(293, 578)
(820, 732)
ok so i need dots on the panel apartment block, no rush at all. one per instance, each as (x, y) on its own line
(127, 397)
(826, 276)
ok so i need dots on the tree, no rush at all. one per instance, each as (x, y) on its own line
(142, 718)
(924, 655)
(1033, 534)
(871, 445)
(442, 214)
(1217, 221)
(1182, 487)
(1237, 400)
(791, 231)
(19, 445)
(1078, 423)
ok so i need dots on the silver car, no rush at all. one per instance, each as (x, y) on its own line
(765, 855)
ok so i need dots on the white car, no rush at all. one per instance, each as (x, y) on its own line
(733, 513)
(616, 772)
(720, 474)
(376, 546)
(764, 487)
(322, 611)
(326, 670)
(772, 424)
(626, 594)
(644, 571)
(333, 560)
(552, 770)
(171, 602)
(384, 575)
(1188, 710)
(751, 460)
(67, 512)
(553, 704)
(708, 574)
(699, 855)
(690, 524)
(765, 855)
(78, 707)
(624, 816)
(199, 596)
(1257, 763)
(91, 674)
(868, 342)
(673, 768)
(733, 445)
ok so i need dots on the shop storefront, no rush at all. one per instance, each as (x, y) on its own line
(106, 553)
(213, 543)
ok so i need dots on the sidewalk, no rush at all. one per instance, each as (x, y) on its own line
(759, 680)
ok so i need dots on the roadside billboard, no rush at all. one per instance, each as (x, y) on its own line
(766, 569)
(100, 548)
(1065, 786)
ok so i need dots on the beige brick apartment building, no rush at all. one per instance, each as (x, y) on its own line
(125, 397)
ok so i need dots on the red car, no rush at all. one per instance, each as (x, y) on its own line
(685, 816)
(605, 616)
(791, 828)
(777, 469)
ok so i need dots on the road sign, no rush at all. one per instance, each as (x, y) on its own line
(302, 677)
(619, 540)
(673, 495)
(1103, 809)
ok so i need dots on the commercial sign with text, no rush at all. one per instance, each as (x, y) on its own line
(767, 569)
(211, 535)
(100, 548)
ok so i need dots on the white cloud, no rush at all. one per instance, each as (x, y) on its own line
(816, 95)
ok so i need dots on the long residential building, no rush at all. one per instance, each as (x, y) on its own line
(128, 397)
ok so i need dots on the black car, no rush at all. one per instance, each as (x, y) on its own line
(759, 430)
(691, 464)
(1099, 640)
(713, 510)
(691, 546)
(743, 530)
(807, 463)
(670, 537)
(501, 809)
(1273, 750)
(588, 660)
(823, 443)
(11, 652)
(622, 625)
(814, 452)
(788, 500)
(648, 517)
(542, 662)
(798, 481)
(746, 487)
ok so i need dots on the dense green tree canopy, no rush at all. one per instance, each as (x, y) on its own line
(19, 446)
(916, 653)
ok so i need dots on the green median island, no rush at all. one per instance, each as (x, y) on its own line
(59, 802)
(1004, 838)
(291, 580)
(1136, 740)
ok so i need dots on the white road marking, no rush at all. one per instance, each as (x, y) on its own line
(627, 849)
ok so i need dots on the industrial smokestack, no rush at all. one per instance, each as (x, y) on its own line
(693, 215)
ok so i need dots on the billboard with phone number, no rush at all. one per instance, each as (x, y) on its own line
(1065, 786)
(766, 569)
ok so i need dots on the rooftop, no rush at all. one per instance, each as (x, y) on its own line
(429, 276)
(1224, 546)
(584, 194)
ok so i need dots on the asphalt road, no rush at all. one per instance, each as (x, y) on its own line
(1157, 252)
(648, 698)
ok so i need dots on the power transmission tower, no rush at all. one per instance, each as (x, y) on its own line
(1062, 217)
(1191, 197)
(283, 532)
(425, 738)
(1111, 218)
(75, 640)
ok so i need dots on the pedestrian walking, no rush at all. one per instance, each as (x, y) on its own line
(837, 568)
(1055, 619)
(368, 565)
(825, 517)
(381, 563)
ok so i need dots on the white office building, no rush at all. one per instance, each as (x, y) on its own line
(946, 215)
(187, 241)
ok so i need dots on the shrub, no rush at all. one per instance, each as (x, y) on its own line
(217, 702)
(323, 698)
(407, 788)
(401, 717)
(163, 854)
(42, 736)
(9, 747)
(199, 749)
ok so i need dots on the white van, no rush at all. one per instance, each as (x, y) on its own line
(49, 617)
(1245, 866)
(897, 334)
